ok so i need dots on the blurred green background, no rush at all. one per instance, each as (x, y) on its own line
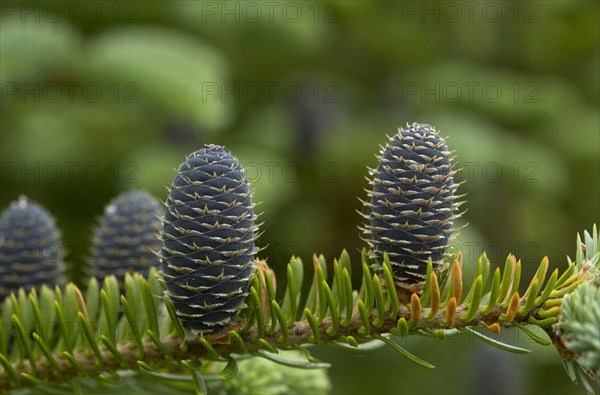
(101, 97)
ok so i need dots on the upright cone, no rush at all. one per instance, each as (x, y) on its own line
(31, 252)
(208, 237)
(412, 203)
(126, 240)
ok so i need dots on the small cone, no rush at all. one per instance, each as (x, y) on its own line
(31, 252)
(126, 239)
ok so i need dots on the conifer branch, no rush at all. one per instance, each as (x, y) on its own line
(333, 313)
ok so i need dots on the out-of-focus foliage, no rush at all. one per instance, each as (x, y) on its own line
(101, 97)
(260, 376)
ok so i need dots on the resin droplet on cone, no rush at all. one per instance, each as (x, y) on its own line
(412, 203)
(208, 240)
(31, 252)
(126, 239)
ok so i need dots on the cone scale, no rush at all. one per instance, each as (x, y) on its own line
(411, 205)
(209, 234)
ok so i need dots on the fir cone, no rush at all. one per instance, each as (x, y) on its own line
(31, 252)
(412, 203)
(126, 239)
(208, 240)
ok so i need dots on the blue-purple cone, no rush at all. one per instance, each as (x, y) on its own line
(126, 240)
(411, 206)
(31, 252)
(209, 230)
